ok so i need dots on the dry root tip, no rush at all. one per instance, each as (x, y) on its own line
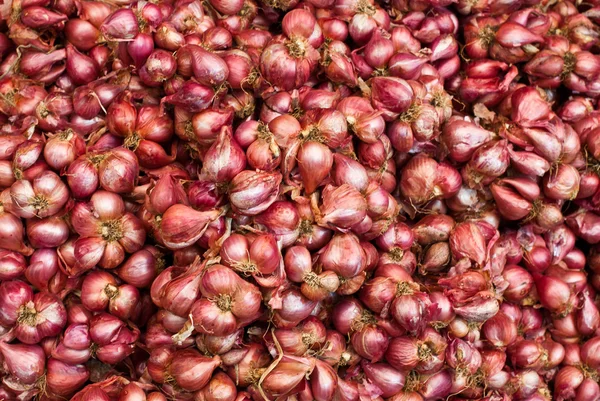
(96, 159)
(396, 254)
(263, 132)
(424, 352)
(364, 7)
(27, 315)
(39, 202)
(305, 228)
(412, 381)
(568, 64)
(411, 115)
(245, 111)
(224, 302)
(111, 291)
(111, 230)
(404, 288)
(132, 142)
(487, 35)
(380, 72)
(252, 78)
(365, 319)
(312, 279)
(308, 339)
(296, 47)
(246, 268)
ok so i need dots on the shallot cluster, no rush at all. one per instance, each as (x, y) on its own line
(286, 200)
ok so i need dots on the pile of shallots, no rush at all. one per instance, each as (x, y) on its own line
(275, 200)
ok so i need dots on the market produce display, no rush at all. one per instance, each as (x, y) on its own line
(274, 200)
